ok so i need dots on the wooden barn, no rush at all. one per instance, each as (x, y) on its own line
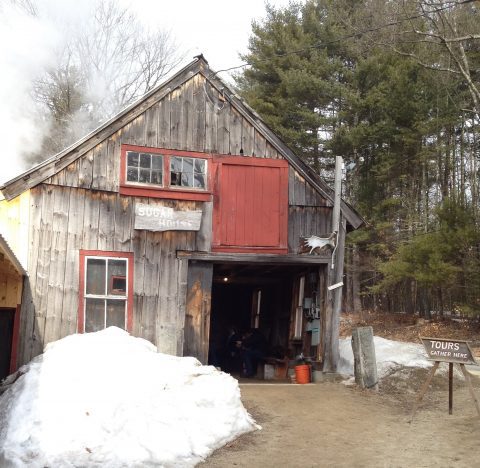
(180, 219)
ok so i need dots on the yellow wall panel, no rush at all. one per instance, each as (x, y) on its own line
(14, 219)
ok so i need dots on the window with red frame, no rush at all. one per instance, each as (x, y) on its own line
(164, 173)
(105, 290)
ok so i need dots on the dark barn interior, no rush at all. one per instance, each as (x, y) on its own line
(248, 296)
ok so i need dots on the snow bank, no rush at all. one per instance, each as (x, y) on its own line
(108, 399)
(390, 356)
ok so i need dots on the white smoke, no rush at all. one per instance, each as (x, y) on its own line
(30, 44)
(27, 46)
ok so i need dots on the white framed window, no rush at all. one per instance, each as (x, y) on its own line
(144, 168)
(106, 280)
(162, 172)
(188, 172)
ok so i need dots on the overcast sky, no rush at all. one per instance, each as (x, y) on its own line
(217, 28)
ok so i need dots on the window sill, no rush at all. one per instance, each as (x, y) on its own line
(170, 194)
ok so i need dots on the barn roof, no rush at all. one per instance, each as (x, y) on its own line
(58, 162)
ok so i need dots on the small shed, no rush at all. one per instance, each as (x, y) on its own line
(180, 219)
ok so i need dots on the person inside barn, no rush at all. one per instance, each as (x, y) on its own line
(254, 346)
(233, 351)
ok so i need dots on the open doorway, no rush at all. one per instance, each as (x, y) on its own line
(7, 320)
(250, 296)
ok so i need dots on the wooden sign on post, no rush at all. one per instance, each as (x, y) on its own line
(453, 352)
(164, 218)
(440, 349)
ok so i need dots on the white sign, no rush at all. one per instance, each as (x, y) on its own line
(163, 218)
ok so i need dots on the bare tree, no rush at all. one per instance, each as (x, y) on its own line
(447, 33)
(123, 59)
(103, 67)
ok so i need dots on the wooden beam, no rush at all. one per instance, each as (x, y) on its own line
(254, 258)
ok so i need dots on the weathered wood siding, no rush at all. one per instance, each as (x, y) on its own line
(65, 220)
(196, 117)
(197, 313)
(192, 117)
(309, 213)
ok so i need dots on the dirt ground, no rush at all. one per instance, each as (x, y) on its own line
(330, 424)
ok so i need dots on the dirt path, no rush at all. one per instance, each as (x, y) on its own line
(330, 425)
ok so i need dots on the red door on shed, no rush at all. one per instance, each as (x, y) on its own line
(251, 205)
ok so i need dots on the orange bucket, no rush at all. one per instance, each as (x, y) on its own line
(302, 374)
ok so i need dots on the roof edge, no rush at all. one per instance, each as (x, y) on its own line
(11, 256)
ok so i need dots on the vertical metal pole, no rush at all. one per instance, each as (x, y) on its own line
(450, 387)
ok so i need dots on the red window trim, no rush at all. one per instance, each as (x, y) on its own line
(132, 189)
(81, 289)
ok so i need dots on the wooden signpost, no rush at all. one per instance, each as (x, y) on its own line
(452, 352)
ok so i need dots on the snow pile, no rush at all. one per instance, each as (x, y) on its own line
(390, 356)
(108, 399)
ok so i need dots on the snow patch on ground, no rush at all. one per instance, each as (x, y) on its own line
(390, 355)
(109, 399)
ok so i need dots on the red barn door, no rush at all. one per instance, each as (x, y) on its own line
(251, 205)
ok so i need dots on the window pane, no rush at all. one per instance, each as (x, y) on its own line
(117, 277)
(188, 165)
(187, 180)
(157, 161)
(144, 176)
(145, 160)
(94, 315)
(200, 165)
(156, 177)
(116, 313)
(132, 159)
(175, 178)
(176, 164)
(199, 181)
(96, 276)
(132, 174)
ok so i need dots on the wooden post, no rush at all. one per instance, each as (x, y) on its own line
(470, 387)
(450, 387)
(330, 329)
(338, 195)
(424, 388)
(364, 357)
